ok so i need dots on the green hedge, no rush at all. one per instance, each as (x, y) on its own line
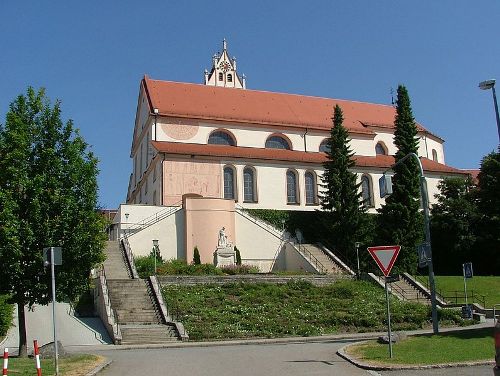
(6, 311)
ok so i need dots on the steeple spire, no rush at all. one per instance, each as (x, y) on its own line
(223, 72)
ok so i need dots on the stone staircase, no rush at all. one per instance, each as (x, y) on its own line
(131, 300)
(330, 265)
(114, 265)
(403, 290)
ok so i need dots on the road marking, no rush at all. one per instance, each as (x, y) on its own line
(373, 373)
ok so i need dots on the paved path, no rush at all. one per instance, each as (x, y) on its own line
(71, 330)
(292, 359)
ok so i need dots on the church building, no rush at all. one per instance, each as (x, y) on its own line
(220, 147)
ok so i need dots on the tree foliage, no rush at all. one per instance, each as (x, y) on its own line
(454, 220)
(48, 197)
(399, 219)
(488, 230)
(341, 199)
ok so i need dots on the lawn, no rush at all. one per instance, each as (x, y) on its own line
(488, 286)
(298, 308)
(78, 365)
(463, 346)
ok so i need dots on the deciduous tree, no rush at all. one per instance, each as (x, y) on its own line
(48, 197)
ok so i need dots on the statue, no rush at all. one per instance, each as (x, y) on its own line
(222, 238)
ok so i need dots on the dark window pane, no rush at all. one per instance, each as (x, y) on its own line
(310, 188)
(324, 147)
(366, 193)
(277, 142)
(379, 149)
(229, 183)
(248, 185)
(291, 187)
(221, 138)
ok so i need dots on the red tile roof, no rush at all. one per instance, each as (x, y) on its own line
(264, 108)
(223, 151)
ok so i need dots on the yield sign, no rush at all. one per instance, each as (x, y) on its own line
(385, 256)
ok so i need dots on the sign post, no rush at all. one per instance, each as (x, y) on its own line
(468, 273)
(53, 256)
(385, 256)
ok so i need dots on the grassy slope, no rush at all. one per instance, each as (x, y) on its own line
(299, 308)
(487, 286)
(470, 345)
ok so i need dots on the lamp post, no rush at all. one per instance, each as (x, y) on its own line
(357, 244)
(155, 250)
(425, 204)
(126, 222)
(490, 84)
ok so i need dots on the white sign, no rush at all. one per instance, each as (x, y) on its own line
(385, 256)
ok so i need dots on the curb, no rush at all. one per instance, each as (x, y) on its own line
(393, 367)
(99, 367)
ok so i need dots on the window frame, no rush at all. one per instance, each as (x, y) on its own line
(254, 185)
(367, 203)
(314, 187)
(383, 147)
(294, 173)
(234, 183)
(229, 135)
(325, 144)
(281, 137)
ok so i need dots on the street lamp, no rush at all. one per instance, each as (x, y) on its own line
(423, 192)
(155, 250)
(490, 84)
(126, 222)
(357, 244)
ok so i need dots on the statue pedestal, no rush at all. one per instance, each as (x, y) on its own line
(224, 256)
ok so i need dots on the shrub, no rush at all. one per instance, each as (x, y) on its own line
(145, 265)
(238, 255)
(196, 256)
(180, 267)
(6, 311)
(240, 269)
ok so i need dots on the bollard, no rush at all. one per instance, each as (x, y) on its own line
(496, 370)
(5, 361)
(37, 358)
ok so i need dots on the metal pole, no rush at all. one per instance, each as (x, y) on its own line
(388, 318)
(465, 284)
(427, 230)
(52, 271)
(496, 111)
(357, 257)
(155, 251)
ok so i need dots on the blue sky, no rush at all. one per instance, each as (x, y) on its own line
(92, 54)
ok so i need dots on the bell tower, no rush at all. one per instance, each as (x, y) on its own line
(223, 72)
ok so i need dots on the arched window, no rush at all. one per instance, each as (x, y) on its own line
(310, 180)
(221, 76)
(292, 188)
(221, 138)
(324, 147)
(277, 142)
(229, 77)
(434, 155)
(380, 149)
(229, 183)
(249, 185)
(366, 191)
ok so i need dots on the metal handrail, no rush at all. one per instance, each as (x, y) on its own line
(130, 258)
(318, 265)
(459, 295)
(155, 218)
(259, 222)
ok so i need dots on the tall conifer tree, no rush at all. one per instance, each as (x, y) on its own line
(48, 197)
(341, 199)
(399, 220)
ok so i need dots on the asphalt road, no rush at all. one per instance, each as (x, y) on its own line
(249, 360)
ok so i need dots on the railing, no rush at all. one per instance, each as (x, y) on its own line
(312, 259)
(129, 257)
(259, 222)
(336, 260)
(495, 313)
(170, 316)
(458, 297)
(151, 220)
(111, 316)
